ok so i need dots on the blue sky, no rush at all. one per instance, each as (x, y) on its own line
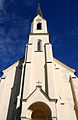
(62, 18)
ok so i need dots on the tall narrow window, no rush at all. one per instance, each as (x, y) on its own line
(39, 45)
(39, 25)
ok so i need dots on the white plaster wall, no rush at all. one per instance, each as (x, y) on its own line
(6, 91)
(36, 20)
(49, 65)
(29, 53)
(49, 54)
(2, 86)
(75, 83)
(65, 73)
(35, 38)
(50, 80)
(65, 112)
(65, 105)
(37, 72)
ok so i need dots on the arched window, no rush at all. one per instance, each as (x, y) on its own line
(39, 45)
(39, 26)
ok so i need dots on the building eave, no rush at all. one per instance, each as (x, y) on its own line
(38, 34)
(67, 67)
(47, 97)
(3, 71)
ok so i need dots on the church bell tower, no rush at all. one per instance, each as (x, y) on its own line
(44, 79)
(38, 101)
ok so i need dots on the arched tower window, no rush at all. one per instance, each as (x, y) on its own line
(39, 26)
(39, 45)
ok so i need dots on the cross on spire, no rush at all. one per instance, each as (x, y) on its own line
(38, 82)
(38, 12)
(38, 4)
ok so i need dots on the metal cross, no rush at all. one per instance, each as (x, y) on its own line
(38, 82)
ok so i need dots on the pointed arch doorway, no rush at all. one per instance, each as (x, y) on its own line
(40, 111)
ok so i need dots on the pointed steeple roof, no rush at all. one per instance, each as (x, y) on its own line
(38, 12)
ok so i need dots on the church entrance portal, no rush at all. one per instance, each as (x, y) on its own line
(40, 111)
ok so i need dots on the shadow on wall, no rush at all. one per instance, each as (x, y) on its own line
(12, 112)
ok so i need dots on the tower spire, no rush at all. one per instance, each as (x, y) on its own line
(38, 12)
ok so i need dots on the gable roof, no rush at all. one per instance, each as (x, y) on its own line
(14, 64)
(42, 92)
(62, 64)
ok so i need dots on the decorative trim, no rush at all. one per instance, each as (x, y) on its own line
(62, 103)
(28, 62)
(49, 62)
(73, 77)
(54, 117)
(72, 70)
(24, 100)
(56, 68)
(38, 51)
(23, 117)
(40, 87)
(51, 100)
(29, 43)
(38, 34)
(46, 44)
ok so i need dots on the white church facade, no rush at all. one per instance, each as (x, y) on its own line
(38, 86)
